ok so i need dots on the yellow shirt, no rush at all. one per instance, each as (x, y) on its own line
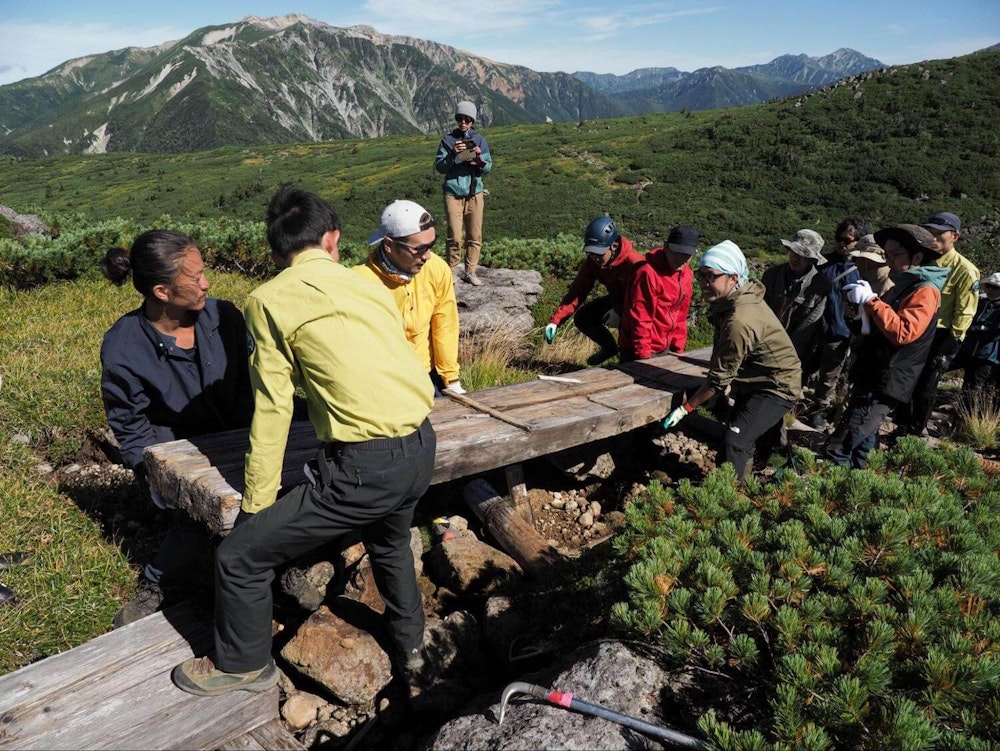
(339, 337)
(430, 313)
(960, 295)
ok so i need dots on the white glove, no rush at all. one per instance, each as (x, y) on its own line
(675, 417)
(611, 319)
(550, 332)
(859, 293)
(455, 387)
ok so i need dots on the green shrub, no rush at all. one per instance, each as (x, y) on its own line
(859, 608)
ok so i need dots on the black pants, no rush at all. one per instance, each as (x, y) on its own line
(914, 416)
(372, 486)
(850, 446)
(588, 320)
(754, 416)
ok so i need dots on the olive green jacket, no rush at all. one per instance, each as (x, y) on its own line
(752, 350)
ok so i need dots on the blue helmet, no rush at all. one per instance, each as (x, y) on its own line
(600, 235)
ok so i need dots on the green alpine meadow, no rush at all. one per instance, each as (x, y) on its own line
(825, 609)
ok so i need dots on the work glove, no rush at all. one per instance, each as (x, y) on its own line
(675, 417)
(859, 293)
(611, 319)
(455, 387)
(550, 332)
(946, 353)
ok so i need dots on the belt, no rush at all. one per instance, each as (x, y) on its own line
(415, 438)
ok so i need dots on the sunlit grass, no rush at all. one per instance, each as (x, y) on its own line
(488, 358)
(979, 418)
(68, 591)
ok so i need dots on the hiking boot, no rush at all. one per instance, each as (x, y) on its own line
(471, 278)
(819, 422)
(200, 677)
(412, 668)
(147, 601)
(604, 353)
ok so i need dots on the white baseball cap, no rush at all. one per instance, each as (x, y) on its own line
(401, 219)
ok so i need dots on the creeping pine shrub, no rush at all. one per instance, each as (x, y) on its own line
(859, 608)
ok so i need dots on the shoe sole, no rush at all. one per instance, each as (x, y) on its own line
(265, 681)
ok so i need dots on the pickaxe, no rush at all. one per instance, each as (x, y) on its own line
(568, 701)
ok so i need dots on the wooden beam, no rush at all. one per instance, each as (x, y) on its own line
(516, 536)
(115, 692)
(514, 474)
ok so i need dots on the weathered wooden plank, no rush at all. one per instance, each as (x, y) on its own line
(204, 476)
(514, 474)
(272, 736)
(115, 692)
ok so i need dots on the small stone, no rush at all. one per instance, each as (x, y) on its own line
(586, 519)
(595, 508)
(572, 505)
(558, 503)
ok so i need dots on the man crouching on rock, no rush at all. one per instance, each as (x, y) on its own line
(340, 338)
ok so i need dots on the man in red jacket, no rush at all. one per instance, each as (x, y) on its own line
(656, 305)
(611, 260)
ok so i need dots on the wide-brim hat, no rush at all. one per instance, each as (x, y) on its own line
(913, 237)
(868, 248)
(808, 244)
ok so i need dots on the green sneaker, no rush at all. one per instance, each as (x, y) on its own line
(200, 677)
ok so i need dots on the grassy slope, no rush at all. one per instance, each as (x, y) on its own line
(86, 546)
(749, 174)
(907, 142)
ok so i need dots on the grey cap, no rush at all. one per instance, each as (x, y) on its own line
(466, 108)
(808, 244)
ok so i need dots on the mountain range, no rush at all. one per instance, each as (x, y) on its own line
(294, 79)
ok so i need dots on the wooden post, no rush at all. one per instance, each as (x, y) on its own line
(518, 491)
(516, 536)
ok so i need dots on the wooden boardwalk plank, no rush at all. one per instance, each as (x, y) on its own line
(204, 475)
(114, 692)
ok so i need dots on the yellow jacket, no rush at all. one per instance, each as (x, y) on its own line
(430, 313)
(337, 336)
(960, 295)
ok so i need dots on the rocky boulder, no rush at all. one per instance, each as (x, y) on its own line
(502, 302)
(605, 673)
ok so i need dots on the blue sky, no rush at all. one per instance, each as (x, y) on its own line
(603, 36)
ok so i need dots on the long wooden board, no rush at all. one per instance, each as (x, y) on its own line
(204, 475)
(114, 692)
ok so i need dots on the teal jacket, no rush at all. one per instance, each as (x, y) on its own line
(461, 178)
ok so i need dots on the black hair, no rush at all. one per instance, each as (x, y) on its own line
(155, 258)
(861, 227)
(298, 219)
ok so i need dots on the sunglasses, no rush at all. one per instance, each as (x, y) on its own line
(707, 277)
(463, 119)
(846, 240)
(417, 250)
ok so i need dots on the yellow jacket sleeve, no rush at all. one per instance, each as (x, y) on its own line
(273, 377)
(445, 327)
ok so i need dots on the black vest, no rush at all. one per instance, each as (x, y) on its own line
(890, 369)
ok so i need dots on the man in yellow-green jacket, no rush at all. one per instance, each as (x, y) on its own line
(422, 285)
(319, 327)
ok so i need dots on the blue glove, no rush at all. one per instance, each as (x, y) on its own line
(550, 332)
(859, 293)
(675, 417)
